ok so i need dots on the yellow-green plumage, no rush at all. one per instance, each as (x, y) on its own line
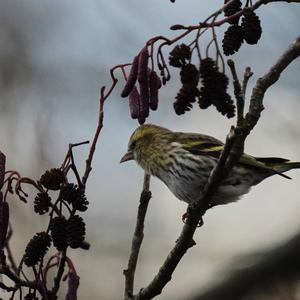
(183, 161)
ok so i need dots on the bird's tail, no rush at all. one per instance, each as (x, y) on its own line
(279, 165)
(289, 165)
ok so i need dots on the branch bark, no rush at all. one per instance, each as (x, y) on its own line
(137, 239)
(232, 150)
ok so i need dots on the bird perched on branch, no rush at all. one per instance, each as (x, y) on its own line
(184, 161)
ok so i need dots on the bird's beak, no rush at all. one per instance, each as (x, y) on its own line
(127, 156)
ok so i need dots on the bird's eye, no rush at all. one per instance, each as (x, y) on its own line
(132, 145)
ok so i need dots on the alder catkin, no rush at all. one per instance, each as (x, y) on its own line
(143, 80)
(154, 86)
(134, 103)
(132, 78)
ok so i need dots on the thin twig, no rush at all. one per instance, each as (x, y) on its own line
(60, 272)
(95, 139)
(240, 99)
(103, 96)
(247, 76)
(137, 239)
(8, 250)
(73, 165)
(18, 281)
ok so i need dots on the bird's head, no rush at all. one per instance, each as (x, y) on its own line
(143, 143)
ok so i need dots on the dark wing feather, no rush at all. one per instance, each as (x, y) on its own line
(272, 160)
(199, 144)
(205, 145)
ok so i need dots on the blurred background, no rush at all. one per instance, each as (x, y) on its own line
(54, 55)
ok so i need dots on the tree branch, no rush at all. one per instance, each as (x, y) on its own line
(240, 98)
(263, 83)
(232, 150)
(137, 239)
(88, 167)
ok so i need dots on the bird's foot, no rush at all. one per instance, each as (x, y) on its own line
(185, 216)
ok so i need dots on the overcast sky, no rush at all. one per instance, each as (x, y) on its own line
(54, 56)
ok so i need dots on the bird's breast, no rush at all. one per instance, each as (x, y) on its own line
(185, 176)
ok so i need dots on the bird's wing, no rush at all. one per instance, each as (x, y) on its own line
(199, 144)
(209, 146)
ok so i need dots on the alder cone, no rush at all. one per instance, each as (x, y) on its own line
(233, 39)
(251, 27)
(231, 9)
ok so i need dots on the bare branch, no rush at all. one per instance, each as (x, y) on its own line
(137, 239)
(103, 96)
(95, 139)
(263, 83)
(5, 270)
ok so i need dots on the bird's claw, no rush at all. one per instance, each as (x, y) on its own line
(185, 216)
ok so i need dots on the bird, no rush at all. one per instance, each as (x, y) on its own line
(184, 161)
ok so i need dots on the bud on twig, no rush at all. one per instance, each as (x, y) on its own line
(177, 27)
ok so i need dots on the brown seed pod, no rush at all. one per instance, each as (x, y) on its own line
(58, 227)
(75, 231)
(134, 103)
(179, 55)
(184, 98)
(231, 9)
(37, 248)
(233, 39)
(214, 87)
(42, 203)
(155, 85)
(189, 74)
(132, 77)
(52, 179)
(251, 27)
